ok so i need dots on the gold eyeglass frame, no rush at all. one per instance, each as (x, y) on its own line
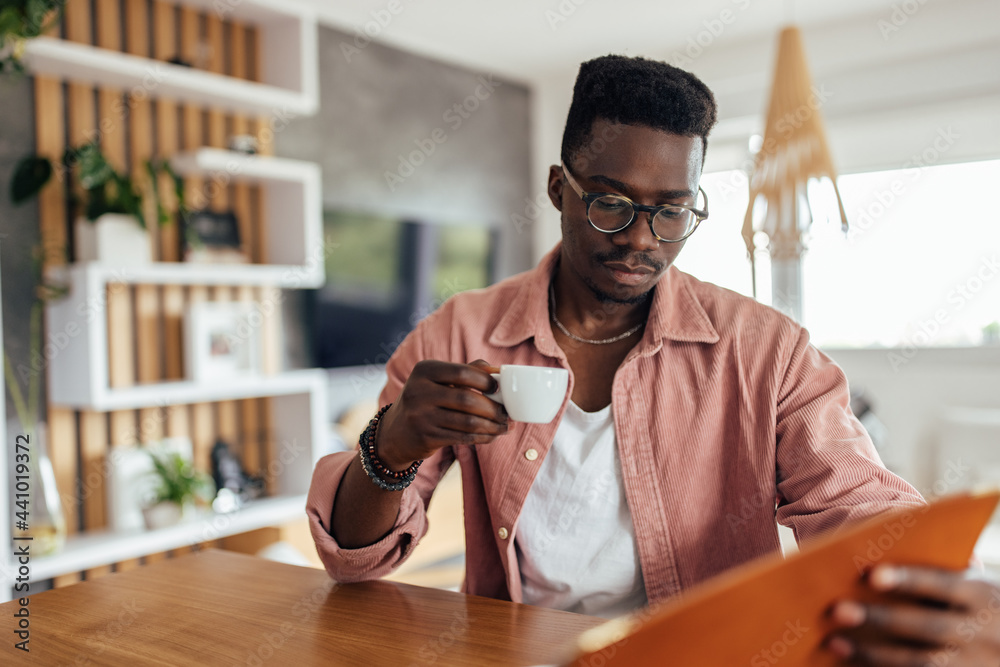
(590, 197)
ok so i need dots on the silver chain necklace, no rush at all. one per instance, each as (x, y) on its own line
(603, 341)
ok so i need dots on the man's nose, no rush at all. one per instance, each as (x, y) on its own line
(638, 235)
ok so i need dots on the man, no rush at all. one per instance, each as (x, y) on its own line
(690, 408)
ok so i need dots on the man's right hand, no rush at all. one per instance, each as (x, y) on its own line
(441, 404)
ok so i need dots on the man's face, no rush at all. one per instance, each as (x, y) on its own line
(648, 166)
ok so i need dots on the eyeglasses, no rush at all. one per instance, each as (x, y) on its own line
(610, 213)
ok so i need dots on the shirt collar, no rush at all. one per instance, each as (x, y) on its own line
(676, 313)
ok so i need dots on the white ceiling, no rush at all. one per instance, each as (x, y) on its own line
(530, 40)
(899, 70)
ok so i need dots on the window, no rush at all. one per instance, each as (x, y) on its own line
(920, 265)
(715, 252)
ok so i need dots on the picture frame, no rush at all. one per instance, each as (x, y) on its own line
(212, 237)
(222, 341)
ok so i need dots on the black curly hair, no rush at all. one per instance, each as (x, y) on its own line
(637, 91)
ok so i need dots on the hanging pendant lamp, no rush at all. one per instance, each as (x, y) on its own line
(793, 151)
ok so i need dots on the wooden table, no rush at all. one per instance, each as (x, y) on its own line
(220, 608)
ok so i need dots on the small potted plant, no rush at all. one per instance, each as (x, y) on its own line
(179, 489)
(113, 226)
(21, 20)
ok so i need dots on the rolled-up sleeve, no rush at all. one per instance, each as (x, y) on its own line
(375, 560)
(382, 557)
(829, 473)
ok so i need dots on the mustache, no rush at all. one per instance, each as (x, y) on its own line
(631, 258)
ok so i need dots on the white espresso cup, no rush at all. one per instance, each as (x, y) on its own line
(531, 394)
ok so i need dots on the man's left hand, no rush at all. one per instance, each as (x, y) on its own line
(936, 617)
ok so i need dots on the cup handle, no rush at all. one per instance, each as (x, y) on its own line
(496, 396)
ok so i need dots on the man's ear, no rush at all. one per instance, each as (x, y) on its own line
(556, 186)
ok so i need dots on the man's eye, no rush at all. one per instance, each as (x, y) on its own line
(610, 204)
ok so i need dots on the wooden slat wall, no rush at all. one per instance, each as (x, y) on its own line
(50, 142)
(145, 297)
(121, 357)
(270, 335)
(145, 322)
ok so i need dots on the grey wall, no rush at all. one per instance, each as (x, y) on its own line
(376, 102)
(19, 233)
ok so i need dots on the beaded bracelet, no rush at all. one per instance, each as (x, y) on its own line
(373, 465)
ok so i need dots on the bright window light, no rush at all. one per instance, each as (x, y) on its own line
(715, 252)
(919, 267)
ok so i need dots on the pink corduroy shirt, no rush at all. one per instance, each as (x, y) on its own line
(722, 407)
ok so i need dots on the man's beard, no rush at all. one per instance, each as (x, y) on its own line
(608, 297)
(622, 255)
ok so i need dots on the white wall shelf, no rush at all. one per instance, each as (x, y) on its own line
(184, 392)
(76, 351)
(293, 231)
(290, 81)
(286, 276)
(99, 548)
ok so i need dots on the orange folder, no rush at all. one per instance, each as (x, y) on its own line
(773, 611)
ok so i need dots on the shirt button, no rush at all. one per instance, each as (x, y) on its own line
(503, 533)
(531, 454)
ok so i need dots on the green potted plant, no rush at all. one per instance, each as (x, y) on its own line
(178, 489)
(113, 226)
(21, 20)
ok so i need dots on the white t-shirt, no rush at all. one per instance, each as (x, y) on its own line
(575, 540)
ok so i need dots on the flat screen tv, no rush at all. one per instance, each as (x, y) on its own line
(383, 274)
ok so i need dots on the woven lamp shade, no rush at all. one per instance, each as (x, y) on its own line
(794, 150)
